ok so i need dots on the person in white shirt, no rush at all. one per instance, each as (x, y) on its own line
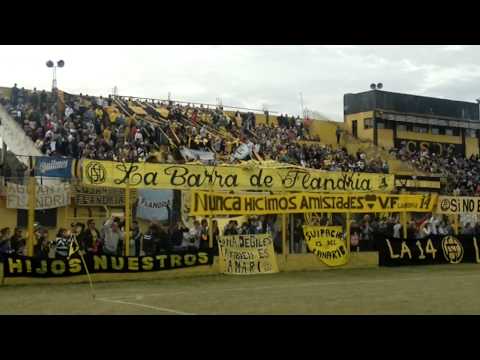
(434, 223)
(192, 237)
(397, 230)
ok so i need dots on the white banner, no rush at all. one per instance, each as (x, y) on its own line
(189, 154)
(47, 196)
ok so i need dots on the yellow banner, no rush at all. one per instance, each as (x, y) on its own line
(206, 203)
(458, 205)
(247, 254)
(250, 176)
(327, 243)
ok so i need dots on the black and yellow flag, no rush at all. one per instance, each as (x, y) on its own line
(74, 247)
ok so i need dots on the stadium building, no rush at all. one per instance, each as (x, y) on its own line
(389, 119)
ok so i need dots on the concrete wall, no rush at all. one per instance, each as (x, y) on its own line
(363, 134)
(14, 136)
(325, 130)
(385, 138)
(443, 139)
(471, 146)
(8, 217)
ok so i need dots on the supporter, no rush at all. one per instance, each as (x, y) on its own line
(397, 230)
(136, 239)
(176, 234)
(204, 235)
(44, 248)
(367, 230)
(112, 235)
(412, 230)
(355, 234)
(163, 243)
(91, 239)
(244, 229)
(215, 235)
(18, 242)
(5, 242)
(468, 229)
(150, 240)
(443, 228)
(192, 238)
(477, 228)
(62, 243)
(297, 235)
(230, 228)
(77, 230)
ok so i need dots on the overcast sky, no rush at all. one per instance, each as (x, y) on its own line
(249, 76)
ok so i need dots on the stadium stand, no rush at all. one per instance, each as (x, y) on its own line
(144, 130)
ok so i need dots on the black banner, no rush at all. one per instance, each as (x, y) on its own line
(437, 249)
(22, 266)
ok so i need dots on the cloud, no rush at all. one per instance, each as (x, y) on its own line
(453, 48)
(250, 76)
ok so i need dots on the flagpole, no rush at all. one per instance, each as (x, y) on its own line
(88, 275)
(73, 251)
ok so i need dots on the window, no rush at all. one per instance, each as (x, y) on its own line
(471, 133)
(401, 127)
(435, 131)
(449, 131)
(47, 218)
(380, 124)
(420, 129)
(368, 123)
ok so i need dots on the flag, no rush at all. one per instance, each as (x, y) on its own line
(74, 247)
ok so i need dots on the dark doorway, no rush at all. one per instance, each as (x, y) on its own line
(354, 128)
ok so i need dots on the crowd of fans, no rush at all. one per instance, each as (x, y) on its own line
(106, 129)
(460, 174)
(109, 239)
(161, 238)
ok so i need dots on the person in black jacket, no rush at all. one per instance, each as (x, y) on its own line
(176, 234)
(163, 243)
(137, 237)
(91, 238)
(42, 248)
(14, 95)
(18, 242)
(150, 240)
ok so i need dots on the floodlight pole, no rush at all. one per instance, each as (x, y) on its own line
(54, 81)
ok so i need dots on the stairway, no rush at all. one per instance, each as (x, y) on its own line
(396, 166)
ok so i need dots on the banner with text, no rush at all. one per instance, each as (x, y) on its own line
(36, 267)
(53, 167)
(99, 196)
(437, 249)
(206, 203)
(278, 178)
(247, 254)
(327, 242)
(458, 205)
(154, 204)
(47, 196)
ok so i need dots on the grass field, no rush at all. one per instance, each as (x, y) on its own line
(408, 290)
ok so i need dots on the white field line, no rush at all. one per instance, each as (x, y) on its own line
(292, 286)
(146, 306)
